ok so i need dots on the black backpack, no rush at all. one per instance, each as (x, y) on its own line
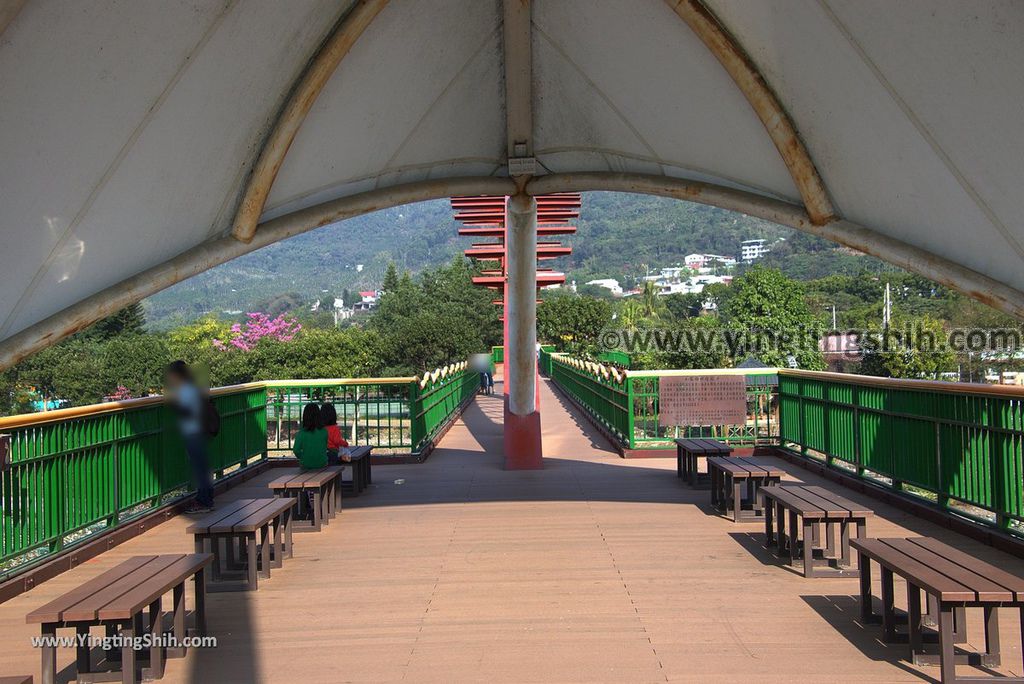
(211, 418)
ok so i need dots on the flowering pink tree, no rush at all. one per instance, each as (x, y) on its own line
(120, 394)
(259, 326)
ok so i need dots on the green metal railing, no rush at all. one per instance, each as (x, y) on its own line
(625, 402)
(959, 445)
(75, 473)
(435, 400)
(374, 412)
(394, 415)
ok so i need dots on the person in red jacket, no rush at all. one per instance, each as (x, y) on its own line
(337, 447)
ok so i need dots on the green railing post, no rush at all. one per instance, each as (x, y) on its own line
(417, 427)
(630, 413)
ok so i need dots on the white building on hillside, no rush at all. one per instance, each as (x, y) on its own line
(752, 250)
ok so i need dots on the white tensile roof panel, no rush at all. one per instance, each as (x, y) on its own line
(907, 109)
(128, 129)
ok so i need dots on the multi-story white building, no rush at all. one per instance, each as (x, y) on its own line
(752, 250)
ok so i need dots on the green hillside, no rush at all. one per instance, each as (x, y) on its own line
(620, 235)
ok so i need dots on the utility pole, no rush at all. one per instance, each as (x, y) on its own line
(886, 308)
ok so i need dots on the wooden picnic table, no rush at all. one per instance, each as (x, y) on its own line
(362, 476)
(731, 476)
(689, 450)
(317, 492)
(116, 600)
(256, 530)
(953, 580)
(815, 507)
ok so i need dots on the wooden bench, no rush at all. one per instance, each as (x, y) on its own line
(729, 478)
(317, 492)
(953, 581)
(688, 451)
(256, 530)
(815, 507)
(115, 600)
(359, 459)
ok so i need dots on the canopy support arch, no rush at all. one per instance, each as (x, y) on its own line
(309, 86)
(972, 283)
(766, 105)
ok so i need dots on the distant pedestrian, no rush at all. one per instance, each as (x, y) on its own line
(189, 402)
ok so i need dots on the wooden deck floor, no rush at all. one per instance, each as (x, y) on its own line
(595, 569)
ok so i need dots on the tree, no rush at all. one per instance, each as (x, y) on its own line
(913, 347)
(651, 305)
(134, 362)
(131, 320)
(769, 312)
(390, 278)
(680, 306)
(573, 324)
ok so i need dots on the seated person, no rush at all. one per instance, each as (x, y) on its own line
(310, 443)
(337, 447)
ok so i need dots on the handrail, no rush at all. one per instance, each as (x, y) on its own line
(970, 388)
(688, 372)
(334, 382)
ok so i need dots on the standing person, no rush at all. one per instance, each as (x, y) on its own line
(337, 446)
(189, 403)
(310, 444)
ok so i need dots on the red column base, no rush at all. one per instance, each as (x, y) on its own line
(523, 450)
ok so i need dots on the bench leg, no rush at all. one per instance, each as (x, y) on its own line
(888, 607)
(679, 462)
(156, 650)
(714, 475)
(991, 657)
(809, 529)
(252, 575)
(769, 525)
(178, 622)
(49, 653)
(914, 626)
(317, 512)
(278, 543)
(83, 663)
(128, 674)
(200, 612)
(793, 539)
(947, 654)
(780, 528)
(288, 515)
(264, 550)
(737, 498)
(867, 615)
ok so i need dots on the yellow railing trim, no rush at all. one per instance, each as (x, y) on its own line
(340, 381)
(699, 371)
(57, 415)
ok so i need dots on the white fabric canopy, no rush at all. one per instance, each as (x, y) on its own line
(129, 128)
